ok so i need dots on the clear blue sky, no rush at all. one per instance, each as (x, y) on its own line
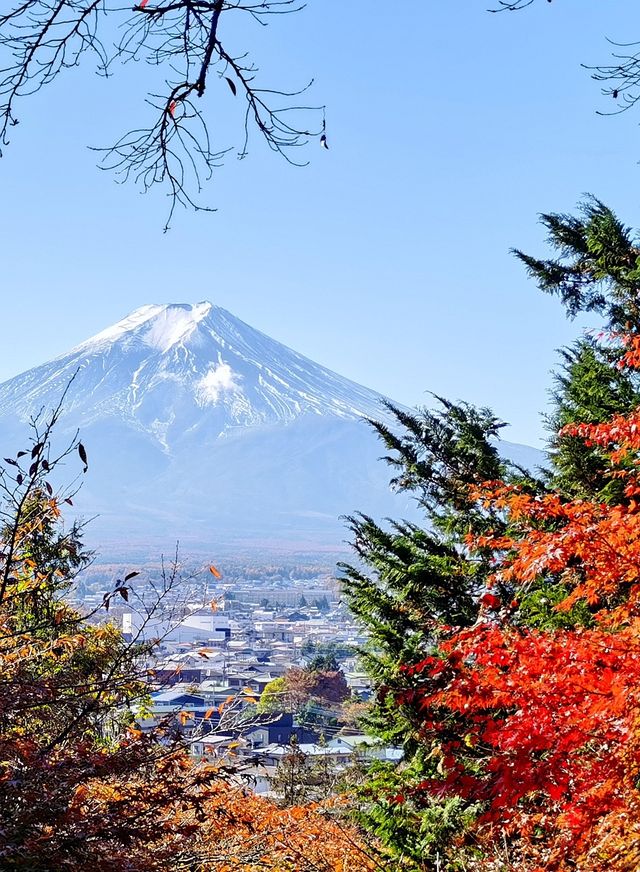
(386, 259)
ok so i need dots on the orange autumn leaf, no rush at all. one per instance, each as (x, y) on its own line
(215, 572)
(224, 704)
(81, 792)
(77, 796)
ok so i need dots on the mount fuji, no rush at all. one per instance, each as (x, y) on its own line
(203, 429)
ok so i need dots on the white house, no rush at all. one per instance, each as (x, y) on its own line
(201, 625)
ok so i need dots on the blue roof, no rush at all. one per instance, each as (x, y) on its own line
(177, 697)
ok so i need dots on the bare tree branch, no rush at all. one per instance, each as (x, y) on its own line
(512, 5)
(621, 77)
(41, 38)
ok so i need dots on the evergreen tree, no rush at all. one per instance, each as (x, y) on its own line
(409, 583)
(324, 662)
(409, 580)
(322, 603)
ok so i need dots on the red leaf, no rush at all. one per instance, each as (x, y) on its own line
(491, 600)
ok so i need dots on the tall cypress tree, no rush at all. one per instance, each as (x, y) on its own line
(595, 268)
(412, 581)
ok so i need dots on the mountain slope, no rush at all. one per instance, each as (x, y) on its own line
(202, 428)
(168, 369)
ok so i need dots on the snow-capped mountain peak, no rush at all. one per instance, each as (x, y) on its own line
(199, 427)
(172, 370)
(158, 326)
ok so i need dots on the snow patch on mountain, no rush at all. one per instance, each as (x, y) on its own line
(218, 380)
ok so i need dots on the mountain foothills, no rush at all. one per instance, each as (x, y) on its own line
(202, 428)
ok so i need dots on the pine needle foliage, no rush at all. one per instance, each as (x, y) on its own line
(409, 583)
(439, 453)
(410, 579)
(597, 264)
(589, 387)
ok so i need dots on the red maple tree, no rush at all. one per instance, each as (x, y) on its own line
(541, 727)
